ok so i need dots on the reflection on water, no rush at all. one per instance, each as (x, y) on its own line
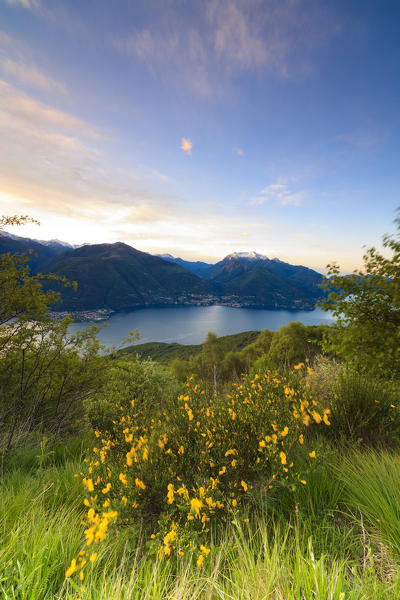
(190, 324)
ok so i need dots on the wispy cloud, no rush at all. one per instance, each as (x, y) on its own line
(29, 4)
(237, 39)
(30, 75)
(229, 37)
(56, 162)
(56, 13)
(364, 139)
(186, 145)
(17, 64)
(31, 117)
(239, 152)
(279, 193)
(56, 168)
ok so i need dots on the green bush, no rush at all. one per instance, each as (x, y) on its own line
(151, 385)
(363, 409)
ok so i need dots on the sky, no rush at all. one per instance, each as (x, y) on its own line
(203, 127)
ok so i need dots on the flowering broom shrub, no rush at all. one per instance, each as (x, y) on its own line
(193, 462)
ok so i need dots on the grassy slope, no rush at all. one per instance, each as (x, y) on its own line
(166, 353)
(321, 554)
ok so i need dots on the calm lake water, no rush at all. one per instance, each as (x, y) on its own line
(190, 324)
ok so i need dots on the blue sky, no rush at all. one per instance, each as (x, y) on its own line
(204, 127)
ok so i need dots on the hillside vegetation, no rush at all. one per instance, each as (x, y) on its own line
(263, 465)
(165, 353)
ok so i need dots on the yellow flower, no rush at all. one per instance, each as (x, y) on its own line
(93, 557)
(140, 483)
(200, 560)
(91, 514)
(171, 535)
(106, 489)
(232, 451)
(170, 494)
(89, 484)
(244, 485)
(325, 418)
(312, 454)
(283, 458)
(181, 450)
(205, 550)
(301, 438)
(284, 432)
(316, 416)
(195, 505)
(122, 478)
(299, 366)
(72, 568)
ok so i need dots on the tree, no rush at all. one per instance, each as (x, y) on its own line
(45, 374)
(210, 360)
(295, 343)
(366, 305)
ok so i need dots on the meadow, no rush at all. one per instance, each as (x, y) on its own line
(255, 467)
(335, 536)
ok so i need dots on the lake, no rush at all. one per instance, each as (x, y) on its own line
(190, 324)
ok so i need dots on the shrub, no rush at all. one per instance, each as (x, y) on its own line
(150, 384)
(363, 409)
(295, 342)
(192, 461)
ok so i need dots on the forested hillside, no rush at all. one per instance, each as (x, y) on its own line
(117, 276)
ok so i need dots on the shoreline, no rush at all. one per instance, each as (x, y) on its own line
(103, 314)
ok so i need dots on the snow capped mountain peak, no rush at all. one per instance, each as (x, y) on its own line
(57, 242)
(247, 256)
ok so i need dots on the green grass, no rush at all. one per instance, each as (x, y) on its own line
(337, 538)
(372, 493)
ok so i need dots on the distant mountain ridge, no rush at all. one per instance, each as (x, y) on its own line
(246, 256)
(39, 251)
(258, 280)
(197, 267)
(117, 276)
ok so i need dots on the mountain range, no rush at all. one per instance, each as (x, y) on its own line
(117, 276)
